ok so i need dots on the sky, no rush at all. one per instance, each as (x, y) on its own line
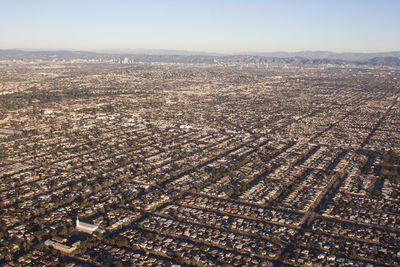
(223, 26)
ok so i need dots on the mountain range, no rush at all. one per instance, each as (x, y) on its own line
(348, 56)
(146, 55)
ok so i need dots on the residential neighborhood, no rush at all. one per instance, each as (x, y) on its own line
(126, 162)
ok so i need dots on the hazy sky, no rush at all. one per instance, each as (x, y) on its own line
(202, 25)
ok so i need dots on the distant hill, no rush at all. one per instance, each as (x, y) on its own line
(156, 52)
(328, 55)
(46, 55)
(384, 61)
(348, 56)
(171, 56)
(282, 60)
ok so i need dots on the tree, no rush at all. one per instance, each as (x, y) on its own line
(352, 254)
(149, 236)
(117, 264)
(178, 258)
(63, 232)
(122, 243)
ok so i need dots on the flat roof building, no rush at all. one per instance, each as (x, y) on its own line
(59, 246)
(86, 227)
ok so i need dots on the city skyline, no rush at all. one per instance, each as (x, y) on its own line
(222, 27)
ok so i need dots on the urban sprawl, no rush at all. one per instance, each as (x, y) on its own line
(223, 163)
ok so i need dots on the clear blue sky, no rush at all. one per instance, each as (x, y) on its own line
(202, 25)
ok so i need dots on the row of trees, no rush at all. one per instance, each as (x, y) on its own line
(390, 167)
